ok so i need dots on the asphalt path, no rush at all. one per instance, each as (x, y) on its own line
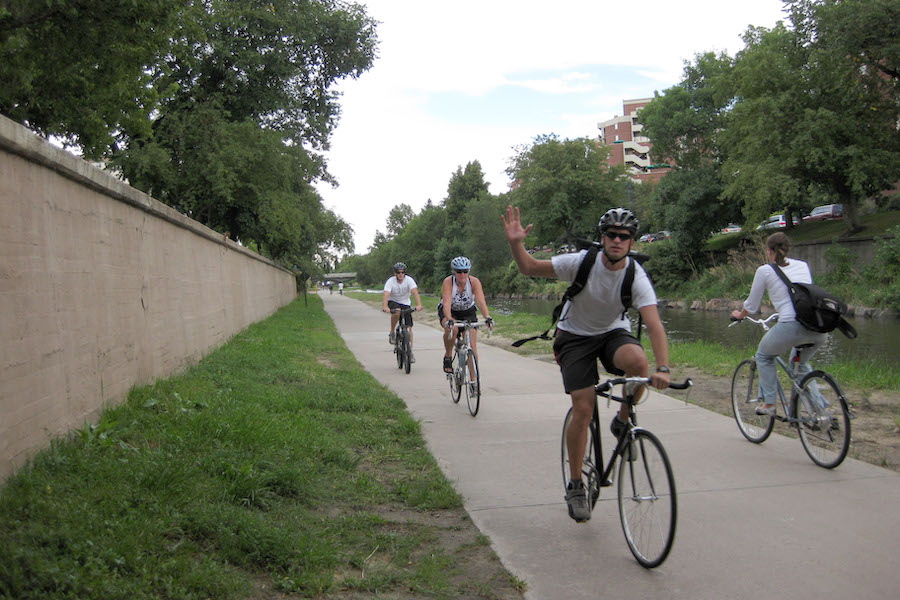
(754, 521)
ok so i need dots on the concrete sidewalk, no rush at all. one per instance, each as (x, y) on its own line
(754, 521)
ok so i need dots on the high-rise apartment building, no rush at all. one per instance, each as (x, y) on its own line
(628, 147)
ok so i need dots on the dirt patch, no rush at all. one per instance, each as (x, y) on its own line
(875, 436)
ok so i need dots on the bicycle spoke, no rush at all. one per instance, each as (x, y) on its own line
(647, 506)
(744, 402)
(823, 419)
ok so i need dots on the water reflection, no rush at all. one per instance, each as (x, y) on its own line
(878, 338)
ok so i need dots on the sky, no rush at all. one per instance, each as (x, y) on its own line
(455, 82)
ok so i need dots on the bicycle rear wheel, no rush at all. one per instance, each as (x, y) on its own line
(473, 384)
(745, 400)
(454, 378)
(824, 419)
(647, 507)
(407, 352)
(589, 467)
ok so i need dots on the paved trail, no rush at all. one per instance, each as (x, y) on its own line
(755, 521)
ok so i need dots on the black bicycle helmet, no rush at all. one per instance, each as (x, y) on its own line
(619, 217)
(399, 267)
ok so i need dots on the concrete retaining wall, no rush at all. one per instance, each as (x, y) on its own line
(102, 288)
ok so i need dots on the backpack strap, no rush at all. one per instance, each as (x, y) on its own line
(627, 284)
(584, 269)
(784, 278)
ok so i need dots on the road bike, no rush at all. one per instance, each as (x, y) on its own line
(648, 509)
(817, 407)
(402, 342)
(465, 375)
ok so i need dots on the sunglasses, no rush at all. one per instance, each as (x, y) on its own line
(400, 272)
(461, 270)
(618, 236)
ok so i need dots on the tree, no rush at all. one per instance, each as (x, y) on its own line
(397, 219)
(82, 70)
(686, 121)
(809, 120)
(563, 185)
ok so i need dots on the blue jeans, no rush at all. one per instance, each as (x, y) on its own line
(778, 340)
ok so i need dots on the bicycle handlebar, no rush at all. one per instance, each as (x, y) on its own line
(609, 383)
(403, 310)
(464, 324)
(763, 322)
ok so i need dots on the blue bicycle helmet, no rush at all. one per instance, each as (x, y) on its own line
(460, 263)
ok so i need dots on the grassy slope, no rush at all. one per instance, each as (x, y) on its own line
(276, 463)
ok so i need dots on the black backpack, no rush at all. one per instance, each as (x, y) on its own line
(817, 309)
(578, 284)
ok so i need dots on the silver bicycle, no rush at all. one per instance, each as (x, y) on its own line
(465, 375)
(817, 407)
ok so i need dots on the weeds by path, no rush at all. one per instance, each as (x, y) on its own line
(276, 467)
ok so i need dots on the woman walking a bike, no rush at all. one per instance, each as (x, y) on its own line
(397, 291)
(460, 294)
(788, 333)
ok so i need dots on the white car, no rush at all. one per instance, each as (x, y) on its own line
(777, 222)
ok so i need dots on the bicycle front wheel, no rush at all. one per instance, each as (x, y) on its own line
(455, 378)
(407, 352)
(398, 346)
(745, 400)
(647, 507)
(590, 471)
(823, 419)
(473, 384)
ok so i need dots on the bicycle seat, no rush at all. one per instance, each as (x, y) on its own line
(807, 345)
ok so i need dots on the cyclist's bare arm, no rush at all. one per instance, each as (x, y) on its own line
(515, 235)
(659, 342)
(415, 292)
(384, 301)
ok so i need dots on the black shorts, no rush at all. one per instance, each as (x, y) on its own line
(407, 317)
(577, 356)
(470, 314)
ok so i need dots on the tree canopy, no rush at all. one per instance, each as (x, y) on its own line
(219, 108)
(564, 185)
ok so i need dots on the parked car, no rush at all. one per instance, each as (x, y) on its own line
(645, 237)
(826, 212)
(777, 222)
(731, 228)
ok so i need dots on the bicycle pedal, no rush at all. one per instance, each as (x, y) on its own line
(606, 483)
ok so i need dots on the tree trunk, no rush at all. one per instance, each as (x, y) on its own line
(851, 214)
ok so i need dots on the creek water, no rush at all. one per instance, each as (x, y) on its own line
(879, 339)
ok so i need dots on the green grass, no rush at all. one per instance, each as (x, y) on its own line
(272, 459)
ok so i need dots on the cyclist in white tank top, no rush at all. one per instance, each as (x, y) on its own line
(460, 294)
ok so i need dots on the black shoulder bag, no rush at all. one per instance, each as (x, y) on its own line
(817, 309)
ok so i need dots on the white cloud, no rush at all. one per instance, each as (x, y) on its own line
(573, 62)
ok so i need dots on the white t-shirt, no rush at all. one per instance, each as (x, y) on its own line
(767, 280)
(399, 292)
(598, 308)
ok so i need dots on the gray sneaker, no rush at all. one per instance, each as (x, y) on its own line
(412, 357)
(391, 338)
(576, 498)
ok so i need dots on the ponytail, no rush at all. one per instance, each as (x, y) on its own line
(780, 243)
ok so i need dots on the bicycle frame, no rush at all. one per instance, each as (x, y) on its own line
(791, 374)
(603, 390)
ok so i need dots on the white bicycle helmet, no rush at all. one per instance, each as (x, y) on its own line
(460, 263)
(619, 217)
